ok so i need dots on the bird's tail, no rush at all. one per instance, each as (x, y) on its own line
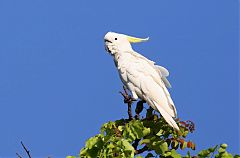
(166, 116)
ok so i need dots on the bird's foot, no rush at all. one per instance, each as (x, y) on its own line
(127, 98)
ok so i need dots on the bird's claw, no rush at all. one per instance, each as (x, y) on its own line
(129, 99)
(126, 96)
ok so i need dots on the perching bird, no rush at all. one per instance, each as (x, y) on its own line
(141, 76)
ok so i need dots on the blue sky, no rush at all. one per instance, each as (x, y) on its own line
(58, 85)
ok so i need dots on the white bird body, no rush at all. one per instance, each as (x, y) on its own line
(141, 76)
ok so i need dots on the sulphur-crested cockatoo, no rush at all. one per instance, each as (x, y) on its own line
(141, 76)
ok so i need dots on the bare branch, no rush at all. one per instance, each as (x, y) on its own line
(130, 111)
(27, 151)
(128, 99)
(19, 156)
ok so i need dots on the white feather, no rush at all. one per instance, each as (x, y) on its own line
(167, 117)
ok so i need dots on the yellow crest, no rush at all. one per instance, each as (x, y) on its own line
(136, 40)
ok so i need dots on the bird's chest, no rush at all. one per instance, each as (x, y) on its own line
(123, 66)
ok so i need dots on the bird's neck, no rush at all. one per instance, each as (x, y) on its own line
(121, 57)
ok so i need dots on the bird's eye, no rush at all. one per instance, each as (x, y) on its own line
(115, 38)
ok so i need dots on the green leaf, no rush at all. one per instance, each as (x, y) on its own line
(83, 151)
(221, 150)
(137, 128)
(108, 129)
(92, 152)
(164, 147)
(126, 149)
(128, 134)
(110, 146)
(155, 117)
(204, 153)
(174, 154)
(144, 141)
(120, 128)
(183, 145)
(185, 133)
(146, 131)
(224, 146)
(213, 149)
(120, 122)
(160, 132)
(91, 142)
(70, 157)
(127, 145)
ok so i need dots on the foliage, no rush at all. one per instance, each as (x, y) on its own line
(150, 135)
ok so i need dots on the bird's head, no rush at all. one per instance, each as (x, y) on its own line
(115, 42)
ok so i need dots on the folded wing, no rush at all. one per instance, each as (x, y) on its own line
(145, 77)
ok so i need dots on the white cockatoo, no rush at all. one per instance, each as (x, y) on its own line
(141, 76)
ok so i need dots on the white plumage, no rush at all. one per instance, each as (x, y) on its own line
(141, 76)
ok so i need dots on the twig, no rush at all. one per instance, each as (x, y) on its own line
(19, 156)
(214, 151)
(130, 111)
(128, 99)
(117, 132)
(125, 90)
(27, 151)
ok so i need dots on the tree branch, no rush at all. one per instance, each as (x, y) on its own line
(117, 132)
(130, 111)
(27, 151)
(19, 156)
(128, 99)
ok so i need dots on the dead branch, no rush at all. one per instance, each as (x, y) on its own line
(26, 150)
(19, 156)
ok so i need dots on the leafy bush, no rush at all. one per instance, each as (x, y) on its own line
(150, 136)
